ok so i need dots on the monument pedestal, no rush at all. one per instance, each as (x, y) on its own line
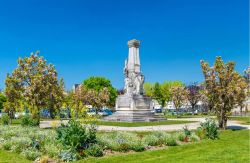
(134, 108)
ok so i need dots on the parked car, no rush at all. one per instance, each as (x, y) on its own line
(102, 112)
(158, 110)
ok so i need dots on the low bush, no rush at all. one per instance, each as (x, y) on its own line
(31, 153)
(210, 129)
(95, 150)
(194, 138)
(170, 141)
(75, 137)
(181, 136)
(151, 140)
(26, 120)
(68, 155)
(7, 145)
(5, 119)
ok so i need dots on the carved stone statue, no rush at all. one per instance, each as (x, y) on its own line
(134, 79)
(133, 105)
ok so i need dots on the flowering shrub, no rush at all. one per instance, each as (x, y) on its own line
(209, 129)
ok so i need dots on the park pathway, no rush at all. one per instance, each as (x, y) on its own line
(173, 127)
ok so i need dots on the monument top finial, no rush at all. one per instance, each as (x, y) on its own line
(133, 43)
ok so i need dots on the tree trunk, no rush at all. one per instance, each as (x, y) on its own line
(193, 109)
(222, 120)
(241, 111)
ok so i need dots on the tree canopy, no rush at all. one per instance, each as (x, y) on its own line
(35, 83)
(98, 84)
(223, 87)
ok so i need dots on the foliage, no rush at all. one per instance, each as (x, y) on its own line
(75, 137)
(31, 142)
(161, 92)
(194, 138)
(31, 154)
(157, 94)
(68, 155)
(149, 89)
(3, 99)
(193, 94)
(5, 119)
(121, 141)
(223, 86)
(170, 141)
(26, 120)
(210, 129)
(179, 96)
(95, 150)
(98, 84)
(35, 83)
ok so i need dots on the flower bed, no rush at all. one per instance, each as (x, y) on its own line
(33, 142)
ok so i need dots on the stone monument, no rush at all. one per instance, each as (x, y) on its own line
(133, 105)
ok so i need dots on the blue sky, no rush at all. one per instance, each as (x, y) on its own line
(85, 38)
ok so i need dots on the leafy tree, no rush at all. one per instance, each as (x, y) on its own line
(193, 94)
(179, 96)
(162, 92)
(223, 87)
(36, 83)
(157, 95)
(166, 89)
(149, 89)
(98, 84)
(13, 95)
(56, 95)
(98, 99)
(78, 100)
(3, 99)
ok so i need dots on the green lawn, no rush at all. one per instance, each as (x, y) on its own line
(233, 147)
(9, 157)
(137, 124)
(242, 120)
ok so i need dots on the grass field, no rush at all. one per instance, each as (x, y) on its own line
(233, 146)
(242, 120)
(137, 124)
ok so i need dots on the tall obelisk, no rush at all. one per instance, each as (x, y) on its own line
(133, 105)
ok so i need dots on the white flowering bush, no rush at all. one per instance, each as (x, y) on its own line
(31, 142)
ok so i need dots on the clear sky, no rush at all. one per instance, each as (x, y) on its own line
(85, 38)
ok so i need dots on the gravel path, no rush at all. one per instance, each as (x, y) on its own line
(173, 127)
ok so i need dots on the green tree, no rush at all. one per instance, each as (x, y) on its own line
(149, 89)
(179, 96)
(36, 83)
(98, 84)
(97, 99)
(223, 87)
(3, 99)
(158, 96)
(162, 92)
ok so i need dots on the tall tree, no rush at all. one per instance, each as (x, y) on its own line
(179, 96)
(78, 100)
(166, 89)
(223, 86)
(3, 99)
(158, 96)
(35, 82)
(193, 94)
(149, 89)
(13, 95)
(97, 99)
(98, 84)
